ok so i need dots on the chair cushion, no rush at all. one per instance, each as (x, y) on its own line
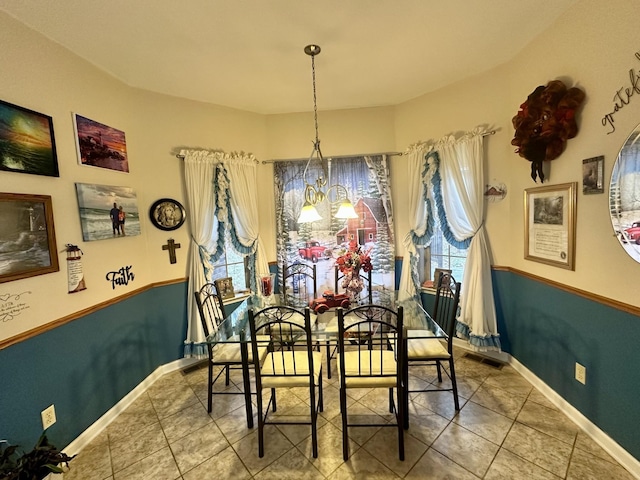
(361, 373)
(288, 375)
(230, 352)
(426, 349)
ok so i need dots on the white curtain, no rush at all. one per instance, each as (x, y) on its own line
(199, 172)
(222, 198)
(462, 184)
(243, 188)
(419, 234)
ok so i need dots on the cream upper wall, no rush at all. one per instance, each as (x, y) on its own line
(42, 76)
(593, 44)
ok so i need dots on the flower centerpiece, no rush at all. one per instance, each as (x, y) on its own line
(350, 262)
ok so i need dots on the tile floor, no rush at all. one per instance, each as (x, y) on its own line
(504, 430)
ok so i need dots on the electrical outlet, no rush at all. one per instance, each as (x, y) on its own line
(48, 417)
(581, 373)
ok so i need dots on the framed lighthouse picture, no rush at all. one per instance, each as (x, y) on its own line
(99, 145)
(29, 242)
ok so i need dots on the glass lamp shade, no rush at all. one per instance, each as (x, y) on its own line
(346, 210)
(308, 214)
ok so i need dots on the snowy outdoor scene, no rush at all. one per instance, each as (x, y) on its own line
(323, 242)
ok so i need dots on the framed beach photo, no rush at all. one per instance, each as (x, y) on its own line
(27, 236)
(550, 224)
(27, 143)
(107, 211)
(99, 145)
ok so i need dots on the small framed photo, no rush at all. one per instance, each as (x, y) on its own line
(27, 144)
(437, 273)
(593, 175)
(225, 287)
(99, 145)
(167, 214)
(28, 245)
(550, 224)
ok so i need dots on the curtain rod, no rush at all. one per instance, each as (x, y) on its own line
(331, 157)
(398, 154)
(181, 157)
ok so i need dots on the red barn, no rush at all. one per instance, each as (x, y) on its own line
(364, 229)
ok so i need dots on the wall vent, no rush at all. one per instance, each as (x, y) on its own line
(480, 359)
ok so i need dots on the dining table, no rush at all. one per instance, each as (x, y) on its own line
(417, 323)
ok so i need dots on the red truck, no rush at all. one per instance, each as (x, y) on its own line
(633, 233)
(330, 300)
(313, 251)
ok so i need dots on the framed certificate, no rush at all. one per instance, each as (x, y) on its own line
(550, 224)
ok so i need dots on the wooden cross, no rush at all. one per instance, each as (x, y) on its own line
(171, 246)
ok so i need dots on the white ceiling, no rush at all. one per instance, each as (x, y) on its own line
(248, 54)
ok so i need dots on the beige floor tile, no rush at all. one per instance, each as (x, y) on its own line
(92, 463)
(171, 400)
(159, 466)
(585, 443)
(275, 445)
(234, 424)
(484, 422)
(127, 451)
(199, 445)
(293, 465)
(185, 421)
(329, 449)
(226, 465)
(384, 447)
(510, 381)
(549, 421)
(501, 401)
(539, 398)
(508, 466)
(539, 448)
(362, 465)
(465, 445)
(467, 449)
(426, 426)
(587, 467)
(435, 466)
(438, 402)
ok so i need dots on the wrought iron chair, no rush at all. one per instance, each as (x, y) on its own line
(368, 359)
(299, 283)
(285, 368)
(432, 351)
(225, 355)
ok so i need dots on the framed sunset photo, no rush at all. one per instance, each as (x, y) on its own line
(27, 143)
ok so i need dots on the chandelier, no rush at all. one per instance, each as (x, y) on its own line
(314, 193)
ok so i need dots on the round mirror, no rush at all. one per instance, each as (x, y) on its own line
(624, 195)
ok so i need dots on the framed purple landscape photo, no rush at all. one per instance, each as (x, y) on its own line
(27, 144)
(99, 145)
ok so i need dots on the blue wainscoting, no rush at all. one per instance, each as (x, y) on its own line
(86, 366)
(548, 330)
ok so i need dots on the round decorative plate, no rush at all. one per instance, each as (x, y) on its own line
(167, 214)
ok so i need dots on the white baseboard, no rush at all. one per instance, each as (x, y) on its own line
(609, 445)
(99, 425)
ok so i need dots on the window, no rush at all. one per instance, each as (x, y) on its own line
(440, 254)
(231, 264)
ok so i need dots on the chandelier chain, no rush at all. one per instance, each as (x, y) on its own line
(315, 104)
